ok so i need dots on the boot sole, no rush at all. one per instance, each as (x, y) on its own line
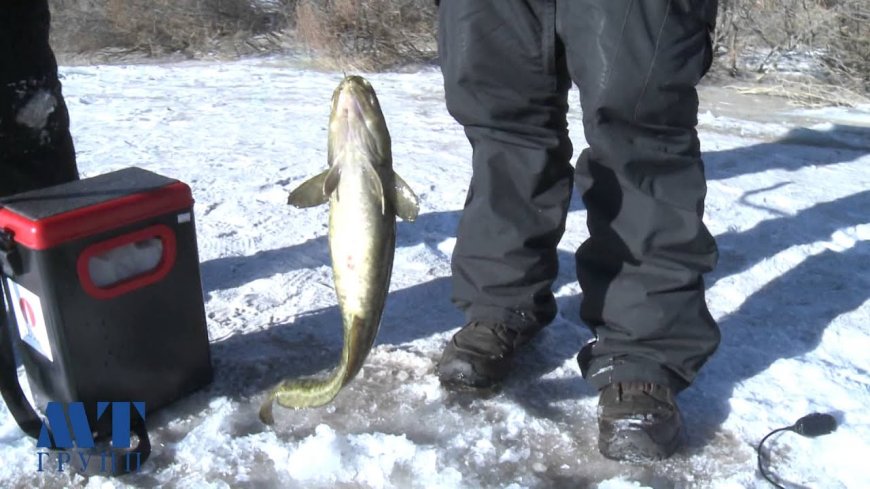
(460, 375)
(622, 441)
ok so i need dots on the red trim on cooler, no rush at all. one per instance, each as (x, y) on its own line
(164, 233)
(87, 221)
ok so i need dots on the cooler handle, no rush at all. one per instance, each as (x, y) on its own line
(156, 273)
(10, 259)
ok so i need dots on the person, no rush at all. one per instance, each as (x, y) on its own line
(36, 148)
(508, 66)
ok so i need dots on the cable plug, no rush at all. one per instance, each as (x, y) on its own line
(815, 424)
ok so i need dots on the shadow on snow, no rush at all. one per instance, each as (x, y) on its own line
(786, 318)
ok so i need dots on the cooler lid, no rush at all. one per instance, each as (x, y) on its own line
(44, 218)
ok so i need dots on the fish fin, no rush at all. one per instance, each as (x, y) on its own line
(374, 181)
(330, 183)
(266, 415)
(407, 204)
(310, 193)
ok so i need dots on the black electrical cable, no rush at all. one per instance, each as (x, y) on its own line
(761, 465)
(810, 426)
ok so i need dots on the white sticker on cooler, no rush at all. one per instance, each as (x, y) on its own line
(30, 318)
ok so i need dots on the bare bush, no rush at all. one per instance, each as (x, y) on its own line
(360, 34)
(834, 31)
(825, 40)
(847, 42)
(367, 34)
(158, 27)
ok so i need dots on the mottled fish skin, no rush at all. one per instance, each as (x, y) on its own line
(364, 197)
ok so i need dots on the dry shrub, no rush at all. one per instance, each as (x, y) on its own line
(752, 37)
(835, 31)
(80, 26)
(847, 42)
(367, 34)
(158, 27)
(807, 92)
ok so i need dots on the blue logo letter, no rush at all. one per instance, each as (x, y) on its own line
(121, 420)
(81, 430)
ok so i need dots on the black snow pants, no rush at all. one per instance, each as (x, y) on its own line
(36, 149)
(508, 66)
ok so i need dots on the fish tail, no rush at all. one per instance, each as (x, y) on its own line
(314, 392)
(303, 393)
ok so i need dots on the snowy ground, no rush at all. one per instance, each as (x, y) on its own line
(789, 201)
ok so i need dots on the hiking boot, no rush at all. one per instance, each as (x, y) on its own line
(479, 355)
(638, 422)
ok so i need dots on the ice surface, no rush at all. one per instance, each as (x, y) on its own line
(789, 202)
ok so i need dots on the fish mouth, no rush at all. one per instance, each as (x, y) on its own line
(355, 98)
(356, 115)
(352, 121)
(349, 104)
(357, 121)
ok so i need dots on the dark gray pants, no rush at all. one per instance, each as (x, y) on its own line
(508, 66)
(36, 149)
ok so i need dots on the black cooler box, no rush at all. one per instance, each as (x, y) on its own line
(102, 286)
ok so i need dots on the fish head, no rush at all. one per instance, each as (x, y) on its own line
(357, 123)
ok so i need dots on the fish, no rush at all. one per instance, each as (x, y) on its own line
(365, 196)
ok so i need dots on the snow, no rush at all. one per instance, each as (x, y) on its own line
(37, 110)
(789, 202)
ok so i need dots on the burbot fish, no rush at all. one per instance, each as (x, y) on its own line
(364, 196)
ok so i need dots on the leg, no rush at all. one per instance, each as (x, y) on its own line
(637, 63)
(36, 149)
(504, 84)
(35, 145)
